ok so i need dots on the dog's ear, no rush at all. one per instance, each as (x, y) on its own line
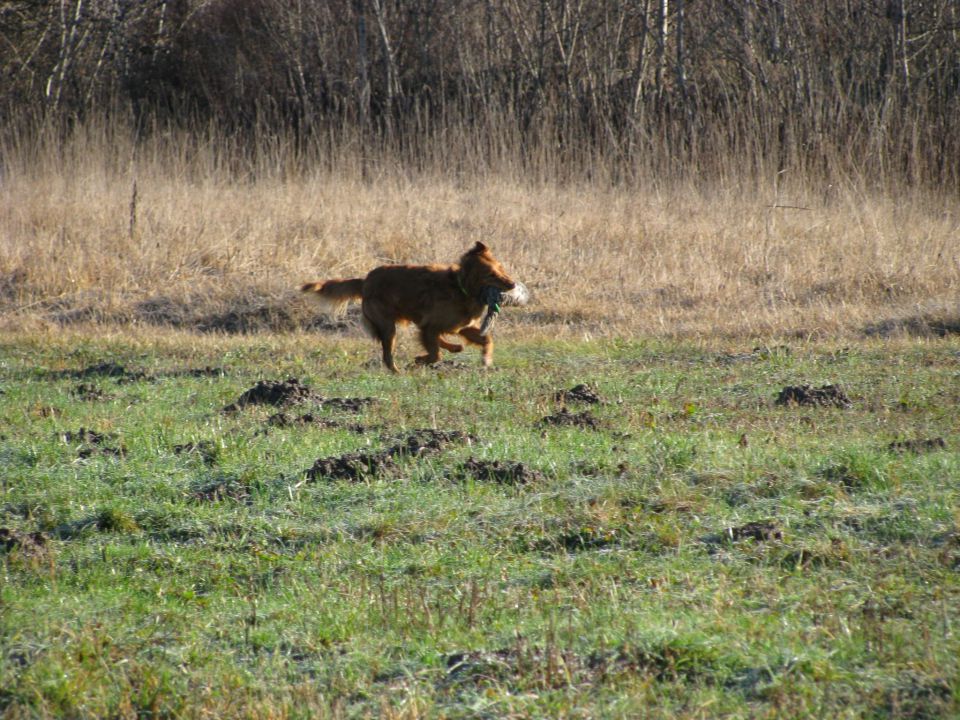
(479, 248)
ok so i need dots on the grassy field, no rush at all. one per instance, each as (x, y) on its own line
(670, 542)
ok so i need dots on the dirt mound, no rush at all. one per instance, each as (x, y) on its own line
(824, 396)
(581, 393)
(27, 544)
(565, 418)
(271, 392)
(350, 466)
(918, 446)
(358, 465)
(503, 472)
(293, 392)
(91, 443)
(429, 440)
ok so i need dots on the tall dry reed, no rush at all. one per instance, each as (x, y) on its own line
(186, 227)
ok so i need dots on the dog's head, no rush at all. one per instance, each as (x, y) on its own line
(481, 269)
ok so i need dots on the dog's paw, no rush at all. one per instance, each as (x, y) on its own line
(426, 359)
(451, 347)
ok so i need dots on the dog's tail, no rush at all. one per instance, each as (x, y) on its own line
(335, 294)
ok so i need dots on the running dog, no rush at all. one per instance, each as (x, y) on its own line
(438, 299)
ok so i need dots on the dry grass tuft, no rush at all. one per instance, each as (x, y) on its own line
(164, 235)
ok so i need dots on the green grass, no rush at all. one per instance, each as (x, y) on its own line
(179, 564)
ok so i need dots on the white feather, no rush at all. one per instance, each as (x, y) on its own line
(518, 296)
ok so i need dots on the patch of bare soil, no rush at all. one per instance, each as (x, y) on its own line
(758, 353)
(581, 393)
(553, 666)
(205, 450)
(107, 520)
(282, 419)
(658, 505)
(46, 411)
(91, 442)
(271, 392)
(915, 696)
(949, 544)
(250, 310)
(429, 440)
(762, 531)
(90, 451)
(546, 667)
(203, 372)
(84, 435)
(114, 371)
(102, 369)
(222, 490)
(665, 664)
(918, 446)
(584, 538)
(359, 465)
(565, 418)
(243, 320)
(354, 405)
(930, 325)
(107, 369)
(89, 392)
(448, 365)
(824, 396)
(503, 472)
(803, 558)
(32, 544)
(572, 537)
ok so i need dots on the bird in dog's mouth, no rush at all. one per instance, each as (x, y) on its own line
(493, 298)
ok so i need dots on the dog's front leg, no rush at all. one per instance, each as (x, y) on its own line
(472, 335)
(430, 339)
(449, 346)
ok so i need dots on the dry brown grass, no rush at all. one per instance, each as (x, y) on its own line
(209, 246)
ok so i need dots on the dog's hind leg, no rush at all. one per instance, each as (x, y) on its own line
(472, 335)
(386, 333)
